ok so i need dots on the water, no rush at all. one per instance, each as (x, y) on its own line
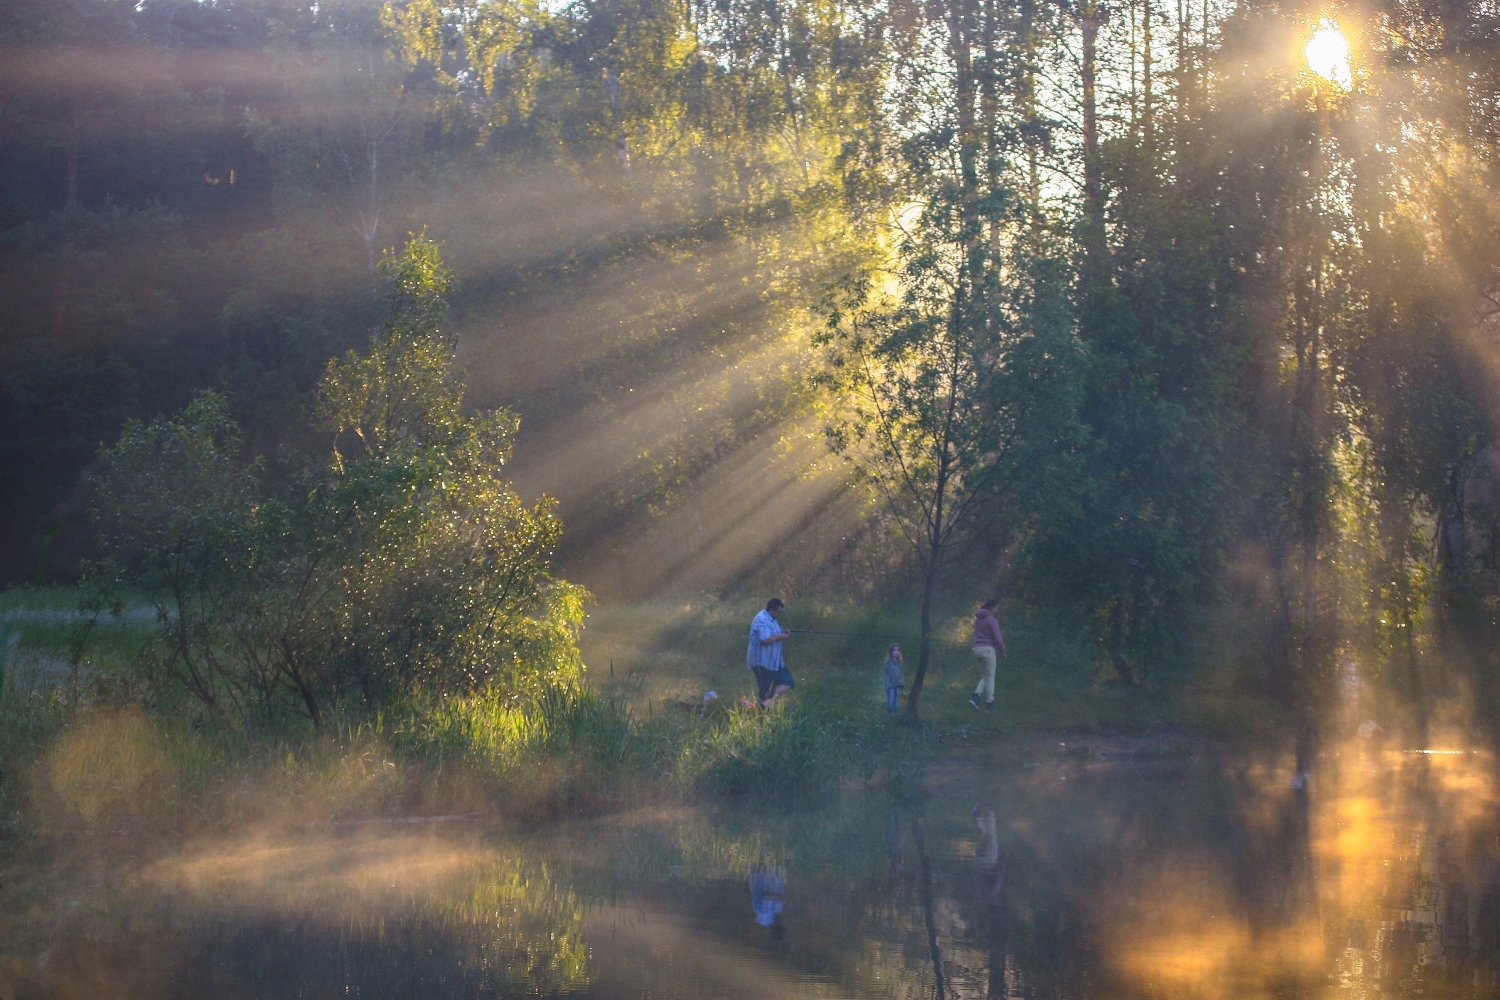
(1069, 878)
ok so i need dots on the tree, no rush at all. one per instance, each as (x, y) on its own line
(441, 569)
(175, 511)
(956, 390)
(405, 564)
(353, 128)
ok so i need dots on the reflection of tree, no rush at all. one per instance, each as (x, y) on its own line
(927, 908)
(1283, 883)
(895, 845)
(534, 925)
(377, 918)
(507, 927)
(1486, 943)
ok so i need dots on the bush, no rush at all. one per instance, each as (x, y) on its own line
(573, 734)
(501, 732)
(754, 752)
(405, 564)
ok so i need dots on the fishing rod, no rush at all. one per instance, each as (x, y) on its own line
(856, 635)
(818, 631)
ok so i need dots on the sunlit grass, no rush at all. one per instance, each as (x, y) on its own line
(660, 655)
(638, 728)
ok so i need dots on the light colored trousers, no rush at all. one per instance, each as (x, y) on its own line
(984, 659)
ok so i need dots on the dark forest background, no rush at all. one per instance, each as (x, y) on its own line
(1231, 326)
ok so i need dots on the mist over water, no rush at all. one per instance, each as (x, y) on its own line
(1100, 871)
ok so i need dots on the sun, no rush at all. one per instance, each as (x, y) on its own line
(1328, 54)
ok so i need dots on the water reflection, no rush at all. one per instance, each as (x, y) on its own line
(989, 896)
(767, 897)
(1065, 880)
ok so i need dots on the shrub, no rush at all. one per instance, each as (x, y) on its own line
(497, 730)
(764, 752)
(404, 564)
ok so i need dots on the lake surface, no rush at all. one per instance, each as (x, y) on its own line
(1071, 877)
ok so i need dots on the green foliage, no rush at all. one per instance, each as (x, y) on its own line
(409, 566)
(956, 391)
(503, 734)
(730, 751)
(1141, 543)
(790, 749)
(179, 519)
(1211, 329)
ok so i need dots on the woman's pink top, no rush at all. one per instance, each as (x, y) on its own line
(987, 630)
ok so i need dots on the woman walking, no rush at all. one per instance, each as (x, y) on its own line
(987, 642)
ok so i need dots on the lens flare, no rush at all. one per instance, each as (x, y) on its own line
(1328, 54)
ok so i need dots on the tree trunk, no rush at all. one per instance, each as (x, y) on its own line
(960, 32)
(60, 308)
(1310, 390)
(937, 527)
(1116, 642)
(1280, 675)
(1148, 124)
(928, 910)
(612, 87)
(989, 113)
(304, 690)
(1452, 540)
(929, 586)
(1090, 19)
(1135, 106)
(1028, 84)
(73, 131)
(65, 273)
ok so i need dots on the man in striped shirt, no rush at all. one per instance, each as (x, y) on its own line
(764, 656)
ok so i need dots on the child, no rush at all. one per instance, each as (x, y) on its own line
(893, 681)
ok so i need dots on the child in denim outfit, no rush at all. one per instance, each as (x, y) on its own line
(893, 681)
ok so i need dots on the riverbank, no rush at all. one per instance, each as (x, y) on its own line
(83, 750)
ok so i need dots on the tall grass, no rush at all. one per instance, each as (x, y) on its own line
(612, 752)
(489, 728)
(29, 721)
(73, 755)
(787, 749)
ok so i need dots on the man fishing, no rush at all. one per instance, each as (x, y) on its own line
(764, 656)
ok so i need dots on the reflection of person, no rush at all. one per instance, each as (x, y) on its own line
(764, 656)
(989, 870)
(767, 897)
(987, 642)
(989, 893)
(893, 681)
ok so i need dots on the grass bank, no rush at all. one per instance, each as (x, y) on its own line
(79, 749)
(655, 656)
